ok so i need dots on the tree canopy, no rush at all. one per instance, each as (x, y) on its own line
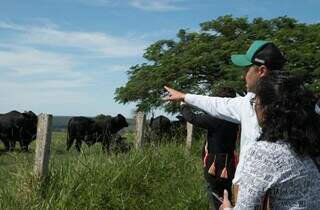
(199, 62)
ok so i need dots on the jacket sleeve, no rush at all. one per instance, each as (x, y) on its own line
(200, 120)
(223, 108)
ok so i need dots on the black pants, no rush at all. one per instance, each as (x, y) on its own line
(218, 187)
(215, 183)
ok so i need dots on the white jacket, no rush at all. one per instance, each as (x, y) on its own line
(237, 110)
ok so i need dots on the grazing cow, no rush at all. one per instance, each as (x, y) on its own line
(79, 129)
(94, 130)
(16, 126)
(159, 127)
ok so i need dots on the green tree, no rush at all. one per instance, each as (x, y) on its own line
(199, 62)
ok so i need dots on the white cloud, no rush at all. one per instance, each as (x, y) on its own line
(13, 26)
(22, 98)
(31, 74)
(45, 68)
(147, 5)
(116, 67)
(101, 44)
(29, 61)
(44, 22)
(157, 5)
(104, 3)
(35, 78)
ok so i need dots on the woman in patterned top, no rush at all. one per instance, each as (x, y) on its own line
(284, 163)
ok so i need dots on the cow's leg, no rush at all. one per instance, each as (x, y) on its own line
(6, 144)
(24, 145)
(103, 146)
(78, 144)
(70, 141)
(106, 144)
(12, 144)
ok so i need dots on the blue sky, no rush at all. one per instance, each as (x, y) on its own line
(66, 57)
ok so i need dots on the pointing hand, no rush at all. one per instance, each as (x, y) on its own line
(174, 95)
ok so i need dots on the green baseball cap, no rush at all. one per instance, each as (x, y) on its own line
(260, 52)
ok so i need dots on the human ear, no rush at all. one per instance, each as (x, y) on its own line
(263, 70)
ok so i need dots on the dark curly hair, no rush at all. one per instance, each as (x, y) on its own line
(289, 113)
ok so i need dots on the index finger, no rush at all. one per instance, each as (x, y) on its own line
(225, 195)
(166, 87)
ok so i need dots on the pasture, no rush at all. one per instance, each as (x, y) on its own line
(155, 177)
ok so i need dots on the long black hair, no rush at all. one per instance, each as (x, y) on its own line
(289, 113)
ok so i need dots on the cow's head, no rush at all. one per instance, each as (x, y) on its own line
(121, 121)
(31, 120)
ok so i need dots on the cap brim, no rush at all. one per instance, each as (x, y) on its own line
(240, 60)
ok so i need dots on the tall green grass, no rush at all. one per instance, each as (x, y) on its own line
(155, 177)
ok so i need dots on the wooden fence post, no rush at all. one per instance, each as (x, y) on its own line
(140, 128)
(43, 145)
(190, 135)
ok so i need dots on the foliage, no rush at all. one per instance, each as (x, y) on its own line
(199, 62)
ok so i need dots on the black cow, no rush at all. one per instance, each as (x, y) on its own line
(159, 128)
(16, 126)
(159, 125)
(94, 130)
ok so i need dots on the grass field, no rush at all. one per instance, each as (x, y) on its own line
(156, 177)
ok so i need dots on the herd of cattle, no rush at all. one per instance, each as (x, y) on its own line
(100, 129)
(18, 127)
(22, 128)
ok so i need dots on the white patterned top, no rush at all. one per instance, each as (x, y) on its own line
(294, 182)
